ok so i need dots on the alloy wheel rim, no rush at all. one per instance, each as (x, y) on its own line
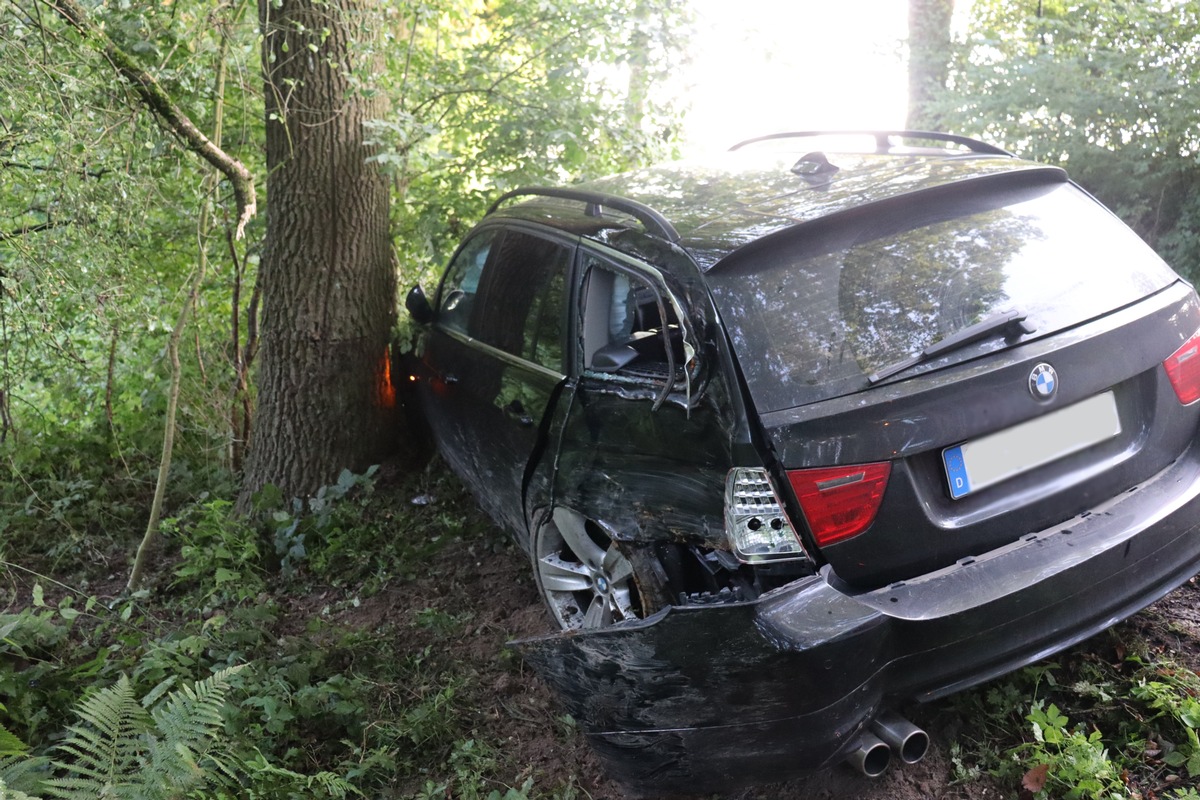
(586, 581)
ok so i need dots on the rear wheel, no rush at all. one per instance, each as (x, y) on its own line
(585, 580)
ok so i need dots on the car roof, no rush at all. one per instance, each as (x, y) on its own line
(714, 208)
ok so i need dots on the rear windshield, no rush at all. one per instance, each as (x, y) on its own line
(816, 312)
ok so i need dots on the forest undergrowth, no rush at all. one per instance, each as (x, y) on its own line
(353, 644)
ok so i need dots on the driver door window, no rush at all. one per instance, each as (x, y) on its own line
(456, 298)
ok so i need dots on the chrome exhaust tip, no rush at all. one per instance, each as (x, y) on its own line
(905, 739)
(871, 757)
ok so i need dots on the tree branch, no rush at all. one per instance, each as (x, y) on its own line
(19, 232)
(495, 84)
(85, 173)
(159, 102)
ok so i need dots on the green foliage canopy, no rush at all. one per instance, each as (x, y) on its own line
(97, 212)
(490, 96)
(1109, 90)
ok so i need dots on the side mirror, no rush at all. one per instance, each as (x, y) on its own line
(418, 305)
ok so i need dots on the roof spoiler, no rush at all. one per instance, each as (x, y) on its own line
(813, 229)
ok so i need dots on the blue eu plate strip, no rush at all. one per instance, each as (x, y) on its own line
(956, 471)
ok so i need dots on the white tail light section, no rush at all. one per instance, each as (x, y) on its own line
(754, 519)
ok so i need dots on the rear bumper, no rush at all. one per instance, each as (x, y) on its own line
(721, 696)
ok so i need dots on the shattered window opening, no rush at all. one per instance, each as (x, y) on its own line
(622, 336)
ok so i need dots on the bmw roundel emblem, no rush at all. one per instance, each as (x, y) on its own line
(1043, 382)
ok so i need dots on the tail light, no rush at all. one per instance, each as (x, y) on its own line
(840, 502)
(758, 528)
(1183, 368)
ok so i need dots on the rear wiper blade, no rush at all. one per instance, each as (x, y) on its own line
(1011, 322)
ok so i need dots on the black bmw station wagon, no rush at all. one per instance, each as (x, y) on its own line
(806, 433)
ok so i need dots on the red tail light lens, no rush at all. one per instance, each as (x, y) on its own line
(840, 502)
(1183, 368)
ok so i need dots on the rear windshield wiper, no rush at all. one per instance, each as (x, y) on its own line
(1012, 323)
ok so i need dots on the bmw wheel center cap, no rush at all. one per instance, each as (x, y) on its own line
(1043, 382)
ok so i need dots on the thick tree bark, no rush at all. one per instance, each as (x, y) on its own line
(327, 272)
(928, 59)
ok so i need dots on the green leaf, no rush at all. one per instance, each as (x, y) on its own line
(158, 691)
(10, 745)
(10, 626)
(39, 599)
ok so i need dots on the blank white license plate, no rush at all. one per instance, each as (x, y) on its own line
(992, 459)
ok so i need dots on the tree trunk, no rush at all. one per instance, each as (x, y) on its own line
(928, 59)
(328, 280)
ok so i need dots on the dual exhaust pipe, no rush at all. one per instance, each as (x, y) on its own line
(889, 734)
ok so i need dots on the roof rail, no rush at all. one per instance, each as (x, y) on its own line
(882, 144)
(654, 222)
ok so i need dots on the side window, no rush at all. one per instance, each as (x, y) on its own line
(520, 304)
(456, 298)
(543, 343)
(627, 325)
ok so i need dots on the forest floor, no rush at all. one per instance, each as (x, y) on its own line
(419, 597)
(492, 588)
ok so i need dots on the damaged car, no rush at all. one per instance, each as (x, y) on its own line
(812, 431)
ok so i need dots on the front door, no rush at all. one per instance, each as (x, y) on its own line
(496, 351)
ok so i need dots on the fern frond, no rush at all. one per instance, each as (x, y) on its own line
(105, 751)
(13, 794)
(221, 764)
(188, 727)
(192, 714)
(123, 751)
(23, 774)
(10, 745)
(268, 780)
(334, 785)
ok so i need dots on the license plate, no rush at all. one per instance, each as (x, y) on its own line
(992, 459)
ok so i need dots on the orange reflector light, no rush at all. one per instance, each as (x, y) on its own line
(385, 393)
